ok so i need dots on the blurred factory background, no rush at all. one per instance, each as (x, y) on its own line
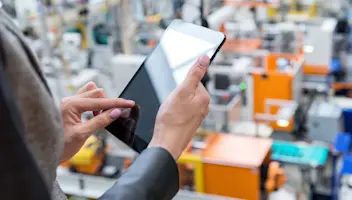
(280, 121)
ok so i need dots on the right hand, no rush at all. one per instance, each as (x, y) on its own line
(181, 114)
(88, 98)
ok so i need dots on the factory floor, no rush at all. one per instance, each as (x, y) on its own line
(120, 149)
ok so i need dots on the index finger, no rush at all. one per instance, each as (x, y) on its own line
(197, 72)
(93, 104)
(89, 86)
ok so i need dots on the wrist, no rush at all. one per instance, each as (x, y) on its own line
(169, 148)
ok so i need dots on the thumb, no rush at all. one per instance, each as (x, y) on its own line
(197, 72)
(102, 120)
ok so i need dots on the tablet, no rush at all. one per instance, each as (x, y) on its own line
(164, 69)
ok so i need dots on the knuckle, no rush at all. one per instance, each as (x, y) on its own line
(99, 92)
(205, 99)
(66, 103)
(103, 120)
(78, 134)
(197, 74)
(65, 99)
(183, 92)
(91, 85)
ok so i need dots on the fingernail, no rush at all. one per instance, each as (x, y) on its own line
(91, 85)
(204, 61)
(130, 102)
(116, 113)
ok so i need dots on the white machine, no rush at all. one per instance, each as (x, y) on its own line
(123, 68)
(345, 192)
(246, 28)
(239, 69)
(324, 121)
(316, 52)
(284, 37)
(191, 9)
(219, 17)
(62, 86)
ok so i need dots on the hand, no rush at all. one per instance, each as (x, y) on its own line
(183, 111)
(88, 98)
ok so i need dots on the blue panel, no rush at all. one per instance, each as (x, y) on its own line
(347, 164)
(335, 65)
(347, 118)
(343, 142)
(287, 152)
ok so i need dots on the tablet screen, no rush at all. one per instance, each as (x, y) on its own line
(180, 57)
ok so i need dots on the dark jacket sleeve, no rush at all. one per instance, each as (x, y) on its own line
(152, 176)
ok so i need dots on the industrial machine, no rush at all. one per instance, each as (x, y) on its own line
(97, 157)
(234, 72)
(228, 165)
(261, 10)
(345, 191)
(280, 79)
(123, 67)
(324, 121)
(282, 37)
(302, 10)
(225, 108)
(276, 177)
(318, 55)
(311, 160)
(90, 158)
(342, 166)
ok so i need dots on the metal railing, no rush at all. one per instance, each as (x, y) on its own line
(185, 195)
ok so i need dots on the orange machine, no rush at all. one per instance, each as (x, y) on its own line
(316, 69)
(241, 45)
(272, 82)
(230, 165)
(276, 177)
(342, 85)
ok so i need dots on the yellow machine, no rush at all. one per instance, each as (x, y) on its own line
(82, 29)
(297, 8)
(270, 7)
(90, 158)
(226, 165)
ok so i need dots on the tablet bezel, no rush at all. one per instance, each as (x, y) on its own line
(199, 32)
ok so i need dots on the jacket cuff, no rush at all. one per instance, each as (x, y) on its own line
(152, 176)
(160, 171)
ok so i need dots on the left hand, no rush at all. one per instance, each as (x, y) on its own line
(88, 98)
